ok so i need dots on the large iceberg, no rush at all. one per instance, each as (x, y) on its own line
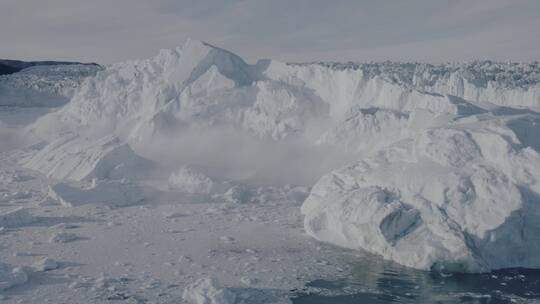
(443, 159)
(199, 85)
(461, 194)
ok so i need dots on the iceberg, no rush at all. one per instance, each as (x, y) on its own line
(442, 161)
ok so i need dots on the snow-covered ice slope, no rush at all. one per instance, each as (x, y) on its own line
(445, 168)
(43, 85)
(78, 158)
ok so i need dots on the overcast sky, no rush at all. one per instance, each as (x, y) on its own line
(107, 31)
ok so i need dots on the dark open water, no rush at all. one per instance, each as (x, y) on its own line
(376, 281)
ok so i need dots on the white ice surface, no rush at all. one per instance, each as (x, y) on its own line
(460, 195)
(441, 171)
(191, 181)
(154, 249)
(76, 158)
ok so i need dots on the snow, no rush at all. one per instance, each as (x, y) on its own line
(161, 173)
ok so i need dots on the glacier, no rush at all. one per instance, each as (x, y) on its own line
(49, 85)
(431, 166)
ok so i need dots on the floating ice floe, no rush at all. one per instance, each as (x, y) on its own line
(16, 218)
(11, 276)
(46, 264)
(189, 180)
(110, 193)
(207, 291)
(63, 237)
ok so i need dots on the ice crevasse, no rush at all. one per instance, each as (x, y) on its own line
(447, 156)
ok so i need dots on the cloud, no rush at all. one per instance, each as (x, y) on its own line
(300, 30)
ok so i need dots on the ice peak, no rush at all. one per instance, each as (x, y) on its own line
(193, 45)
(197, 57)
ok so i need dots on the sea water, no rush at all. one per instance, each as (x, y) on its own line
(373, 280)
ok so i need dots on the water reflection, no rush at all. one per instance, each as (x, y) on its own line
(376, 281)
